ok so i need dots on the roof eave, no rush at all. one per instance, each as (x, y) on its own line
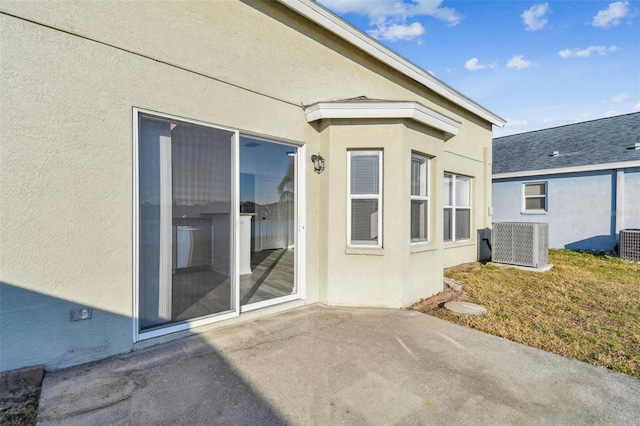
(563, 170)
(370, 110)
(329, 21)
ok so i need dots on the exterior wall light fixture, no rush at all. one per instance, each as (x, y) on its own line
(318, 163)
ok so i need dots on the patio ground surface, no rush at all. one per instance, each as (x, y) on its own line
(319, 365)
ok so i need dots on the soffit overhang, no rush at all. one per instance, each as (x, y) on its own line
(383, 110)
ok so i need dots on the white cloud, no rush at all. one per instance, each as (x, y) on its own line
(517, 123)
(585, 53)
(389, 18)
(397, 32)
(620, 98)
(474, 65)
(610, 114)
(637, 106)
(519, 62)
(611, 16)
(534, 18)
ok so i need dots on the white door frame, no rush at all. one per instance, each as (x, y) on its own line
(299, 237)
(299, 227)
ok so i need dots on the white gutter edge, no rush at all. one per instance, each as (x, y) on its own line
(411, 110)
(327, 20)
(577, 169)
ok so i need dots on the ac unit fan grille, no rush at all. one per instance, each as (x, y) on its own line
(524, 244)
(630, 244)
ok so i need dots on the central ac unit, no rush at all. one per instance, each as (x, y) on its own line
(629, 244)
(521, 243)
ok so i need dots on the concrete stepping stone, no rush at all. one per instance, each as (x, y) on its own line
(465, 308)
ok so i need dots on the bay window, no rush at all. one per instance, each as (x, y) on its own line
(457, 207)
(419, 198)
(364, 207)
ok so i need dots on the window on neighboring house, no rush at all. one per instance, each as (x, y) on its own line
(457, 207)
(364, 213)
(419, 198)
(535, 197)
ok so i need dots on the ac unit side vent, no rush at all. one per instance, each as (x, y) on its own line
(521, 243)
(629, 244)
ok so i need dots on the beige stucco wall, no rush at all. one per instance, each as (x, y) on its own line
(71, 73)
(399, 273)
(466, 251)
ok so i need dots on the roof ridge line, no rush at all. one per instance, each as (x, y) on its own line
(568, 124)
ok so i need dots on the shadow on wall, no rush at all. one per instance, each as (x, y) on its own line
(606, 243)
(484, 244)
(37, 329)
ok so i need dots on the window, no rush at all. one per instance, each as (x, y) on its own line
(534, 197)
(364, 209)
(419, 198)
(457, 207)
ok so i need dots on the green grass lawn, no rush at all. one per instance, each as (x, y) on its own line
(587, 307)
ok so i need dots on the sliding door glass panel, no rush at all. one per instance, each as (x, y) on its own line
(267, 220)
(186, 238)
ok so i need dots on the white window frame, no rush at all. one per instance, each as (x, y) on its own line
(425, 169)
(525, 197)
(454, 207)
(377, 197)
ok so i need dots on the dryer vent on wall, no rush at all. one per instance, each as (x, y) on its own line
(630, 244)
(524, 244)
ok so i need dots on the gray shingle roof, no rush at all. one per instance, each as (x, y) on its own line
(607, 140)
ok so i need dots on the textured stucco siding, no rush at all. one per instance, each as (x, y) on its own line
(71, 74)
(631, 211)
(459, 252)
(581, 208)
(66, 225)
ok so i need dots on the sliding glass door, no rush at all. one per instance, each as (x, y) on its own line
(268, 202)
(186, 234)
(216, 223)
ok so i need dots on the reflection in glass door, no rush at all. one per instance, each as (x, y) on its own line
(185, 222)
(193, 264)
(267, 211)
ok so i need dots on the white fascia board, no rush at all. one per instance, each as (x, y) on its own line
(411, 110)
(327, 20)
(578, 169)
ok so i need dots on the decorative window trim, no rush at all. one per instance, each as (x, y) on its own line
(377, 197)
(383, 109)
(423, 196)
(454, 208)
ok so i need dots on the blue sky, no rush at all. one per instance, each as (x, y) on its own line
(535, 64)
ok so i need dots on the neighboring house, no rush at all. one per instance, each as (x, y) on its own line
(582, 179)
(162, 172)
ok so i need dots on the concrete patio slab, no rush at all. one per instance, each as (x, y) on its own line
(318, 365)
